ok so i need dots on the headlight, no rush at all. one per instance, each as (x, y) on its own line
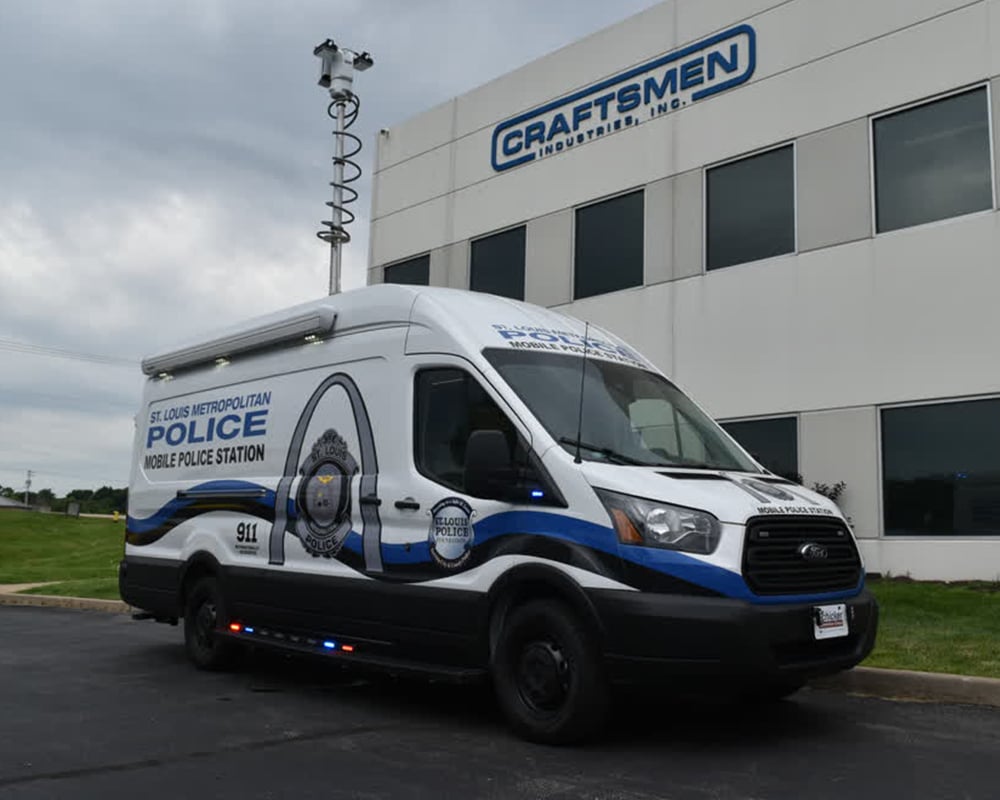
(647, 522)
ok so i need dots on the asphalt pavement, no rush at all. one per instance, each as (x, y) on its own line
(97, 705)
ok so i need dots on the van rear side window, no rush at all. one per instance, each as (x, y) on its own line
(449, 405)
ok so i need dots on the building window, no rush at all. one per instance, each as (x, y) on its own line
(497, 264)
(933, 161)
(941, 469)
(608, 246)
(416, 271)
(750, 208)
(772, 442)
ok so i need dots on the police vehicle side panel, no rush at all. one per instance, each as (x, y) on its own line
(329, 521)
(221, 457)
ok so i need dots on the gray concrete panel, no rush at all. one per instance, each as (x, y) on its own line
(658, 223)
(376, 275)
(457, 260)
(689, 224)
(834, 186)
(438, 273)
(842, 445)
(548, 272)
(995, 95)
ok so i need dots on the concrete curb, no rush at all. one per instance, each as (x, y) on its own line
(54, 601)
(898, 684)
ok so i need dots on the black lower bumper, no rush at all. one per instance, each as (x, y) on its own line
(649, 637)
(151, 585)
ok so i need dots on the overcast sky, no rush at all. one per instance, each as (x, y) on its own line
(163, 168)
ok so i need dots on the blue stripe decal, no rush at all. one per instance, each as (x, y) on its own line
(172, 508)
(542, 523)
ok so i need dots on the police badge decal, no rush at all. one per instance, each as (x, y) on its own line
(324, 496)
(451, 533)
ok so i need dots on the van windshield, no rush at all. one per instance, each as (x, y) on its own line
(630, 415)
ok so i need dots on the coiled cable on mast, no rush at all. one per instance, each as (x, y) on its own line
(348, 146)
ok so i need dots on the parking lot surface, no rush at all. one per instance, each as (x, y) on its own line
(95, 705)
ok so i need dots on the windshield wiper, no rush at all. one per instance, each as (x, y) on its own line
(611, 455)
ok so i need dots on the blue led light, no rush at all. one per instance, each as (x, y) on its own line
(248, 630)
(537, 493)
(330, 645)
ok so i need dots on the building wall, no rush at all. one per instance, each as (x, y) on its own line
(849, 322)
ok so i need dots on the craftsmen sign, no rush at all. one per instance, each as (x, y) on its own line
(667, 83)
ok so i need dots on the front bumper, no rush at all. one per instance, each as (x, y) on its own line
(649, 637)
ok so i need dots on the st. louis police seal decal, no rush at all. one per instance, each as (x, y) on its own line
(324, 496)
(451, 533)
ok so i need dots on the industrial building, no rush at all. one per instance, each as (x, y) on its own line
(791, 207)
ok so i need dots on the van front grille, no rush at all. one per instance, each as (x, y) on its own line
(799, 555)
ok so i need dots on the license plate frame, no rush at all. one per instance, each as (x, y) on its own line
(830, 621)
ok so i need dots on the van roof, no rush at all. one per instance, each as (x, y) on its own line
(454, 312)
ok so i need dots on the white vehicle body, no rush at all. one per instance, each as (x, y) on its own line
(312, 463)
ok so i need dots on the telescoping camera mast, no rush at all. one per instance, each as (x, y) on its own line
(338, 65)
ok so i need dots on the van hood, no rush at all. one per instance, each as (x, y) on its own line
(732, 497)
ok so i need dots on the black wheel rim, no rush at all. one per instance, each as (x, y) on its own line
(205, 620)
(543, 676)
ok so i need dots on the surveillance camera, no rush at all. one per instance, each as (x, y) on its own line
(363, 61)
(329, 44)
(328, 53)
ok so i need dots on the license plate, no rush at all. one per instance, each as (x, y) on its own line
(829, 622)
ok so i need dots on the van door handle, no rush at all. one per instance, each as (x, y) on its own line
(370, 500)
(408, 503)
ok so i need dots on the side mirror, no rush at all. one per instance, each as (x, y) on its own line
(489, 470)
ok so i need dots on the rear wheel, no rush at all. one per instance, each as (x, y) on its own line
(204, 616)
(548, 674)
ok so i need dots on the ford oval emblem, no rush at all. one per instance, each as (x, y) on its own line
(811, 551)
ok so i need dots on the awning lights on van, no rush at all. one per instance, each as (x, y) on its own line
(318, 322)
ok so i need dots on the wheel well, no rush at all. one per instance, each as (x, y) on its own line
(535, 582)
(196, 568)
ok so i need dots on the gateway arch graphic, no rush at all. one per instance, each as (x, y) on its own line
(371, 531)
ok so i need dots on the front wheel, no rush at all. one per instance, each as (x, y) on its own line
(548, 674)
(204, 615)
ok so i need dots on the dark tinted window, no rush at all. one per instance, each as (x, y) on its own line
(751, 208)
(609, 243)
(933, 161)
(449, 405)
(497, 264)
(941, 469)
(415, 271)
(773, 442)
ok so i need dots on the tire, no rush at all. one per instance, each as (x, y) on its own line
(204, 614)
(548, 675)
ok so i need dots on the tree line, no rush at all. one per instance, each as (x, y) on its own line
(105, 500)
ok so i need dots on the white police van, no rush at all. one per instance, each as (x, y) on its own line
(450, 483)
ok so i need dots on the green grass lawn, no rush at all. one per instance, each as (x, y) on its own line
(84, 553)
(938, 627)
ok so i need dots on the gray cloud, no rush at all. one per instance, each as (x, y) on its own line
(163, 169)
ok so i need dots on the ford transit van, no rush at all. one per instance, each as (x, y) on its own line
(446, 483)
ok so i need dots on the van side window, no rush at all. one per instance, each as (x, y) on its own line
(449, 405)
